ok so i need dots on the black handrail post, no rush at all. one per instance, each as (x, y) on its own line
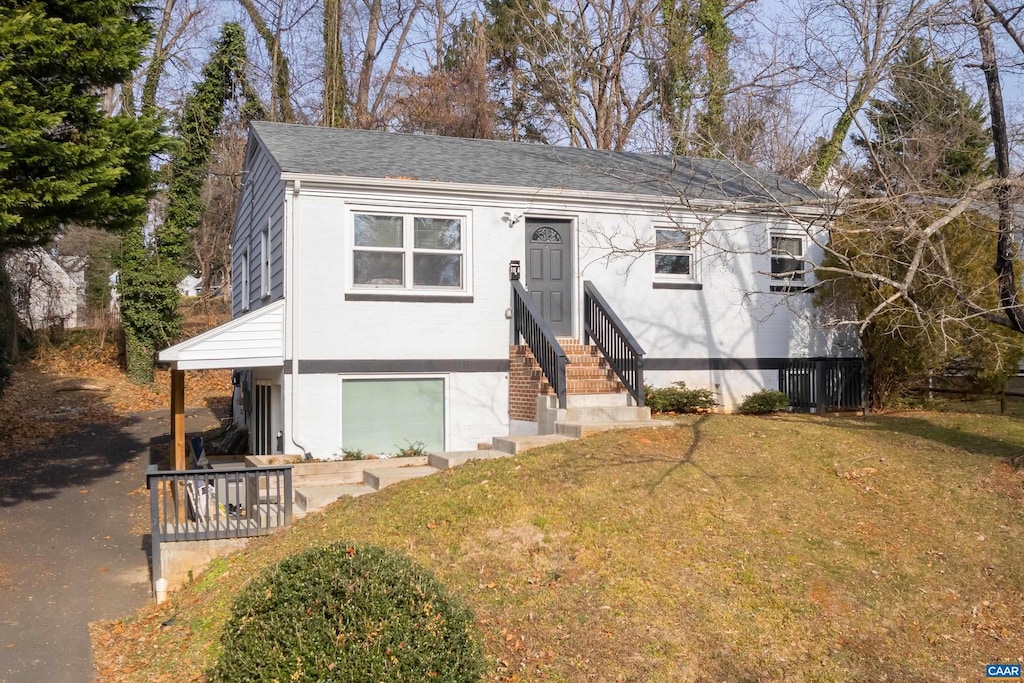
(640, 381)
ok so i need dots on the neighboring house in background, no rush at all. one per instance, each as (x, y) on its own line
(190, 285)
(372, 299)
(46, 295)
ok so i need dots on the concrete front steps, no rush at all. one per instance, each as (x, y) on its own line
(587, 414)
(584, 414)
(315, 494)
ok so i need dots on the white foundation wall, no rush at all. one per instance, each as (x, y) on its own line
(730, 386)
(476, 409)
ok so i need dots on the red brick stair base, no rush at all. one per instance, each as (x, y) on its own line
(587, 373)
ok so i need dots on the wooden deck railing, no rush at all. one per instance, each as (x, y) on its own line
(212, 504)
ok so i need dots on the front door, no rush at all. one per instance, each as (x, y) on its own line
(549, 271)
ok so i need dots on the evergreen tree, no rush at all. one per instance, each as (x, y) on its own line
(936, 337)
(145, 300)
(150, 276)
(62, 158)
(196, 127)
(930, 141)
(930, 135)
(513, 27)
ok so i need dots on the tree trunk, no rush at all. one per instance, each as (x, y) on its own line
(281, 107)
(1005, 250)
(717, 76)
(335, 86)
(829, 152)
(362, 109)
(155, 68)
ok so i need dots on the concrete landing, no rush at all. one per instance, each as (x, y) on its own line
(311, 498)
(579, 430)
(517, 444)
(449, 459)
(379, 479)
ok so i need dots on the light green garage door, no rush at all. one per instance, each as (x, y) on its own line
(379, 416)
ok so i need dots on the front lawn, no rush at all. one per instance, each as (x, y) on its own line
(728, 548)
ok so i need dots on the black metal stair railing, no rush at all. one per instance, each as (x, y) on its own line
(624, 354)
(529, 324)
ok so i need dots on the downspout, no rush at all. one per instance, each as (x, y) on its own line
(291, 302)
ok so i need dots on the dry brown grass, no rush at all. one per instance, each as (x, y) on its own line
(727, 549)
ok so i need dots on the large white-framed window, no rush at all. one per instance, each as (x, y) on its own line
(265, 260)
(409, 250)
(787, 262)
(674, 256)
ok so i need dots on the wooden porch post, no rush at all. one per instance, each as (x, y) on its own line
(177, 419)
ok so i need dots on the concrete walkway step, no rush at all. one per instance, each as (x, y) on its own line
(607, 414)
(517, 444)
(448, 459)
(379, 479)
(311, 498)
(578, 430)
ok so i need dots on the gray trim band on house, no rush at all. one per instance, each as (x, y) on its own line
(678, 285)
(317, 367)
(417, 298)
(715, 363)
(368, 366)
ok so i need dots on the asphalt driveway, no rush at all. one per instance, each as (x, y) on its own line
(74, 543)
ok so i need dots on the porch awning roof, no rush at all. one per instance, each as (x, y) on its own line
(255, 340)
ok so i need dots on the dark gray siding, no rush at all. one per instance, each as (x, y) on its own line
(261, 205)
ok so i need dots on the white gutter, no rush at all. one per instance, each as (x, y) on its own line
(505, 193)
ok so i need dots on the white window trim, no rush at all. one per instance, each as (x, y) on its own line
(265, 260)
(803, 282)
(444, 377)
(694, 231)
(408, 213)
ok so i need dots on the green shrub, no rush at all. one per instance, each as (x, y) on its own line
(412, 449)
(352, 454)
(348, 612)
(678, 399)
(764, 401)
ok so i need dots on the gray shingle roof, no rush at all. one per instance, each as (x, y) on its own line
(373, 154)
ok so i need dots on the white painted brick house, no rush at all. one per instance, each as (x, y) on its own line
(371, 282)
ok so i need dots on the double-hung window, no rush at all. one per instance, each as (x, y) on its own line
(674, 257)
(408, 251)
(787, 258)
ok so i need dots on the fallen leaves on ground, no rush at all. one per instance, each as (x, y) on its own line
(62, 388)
